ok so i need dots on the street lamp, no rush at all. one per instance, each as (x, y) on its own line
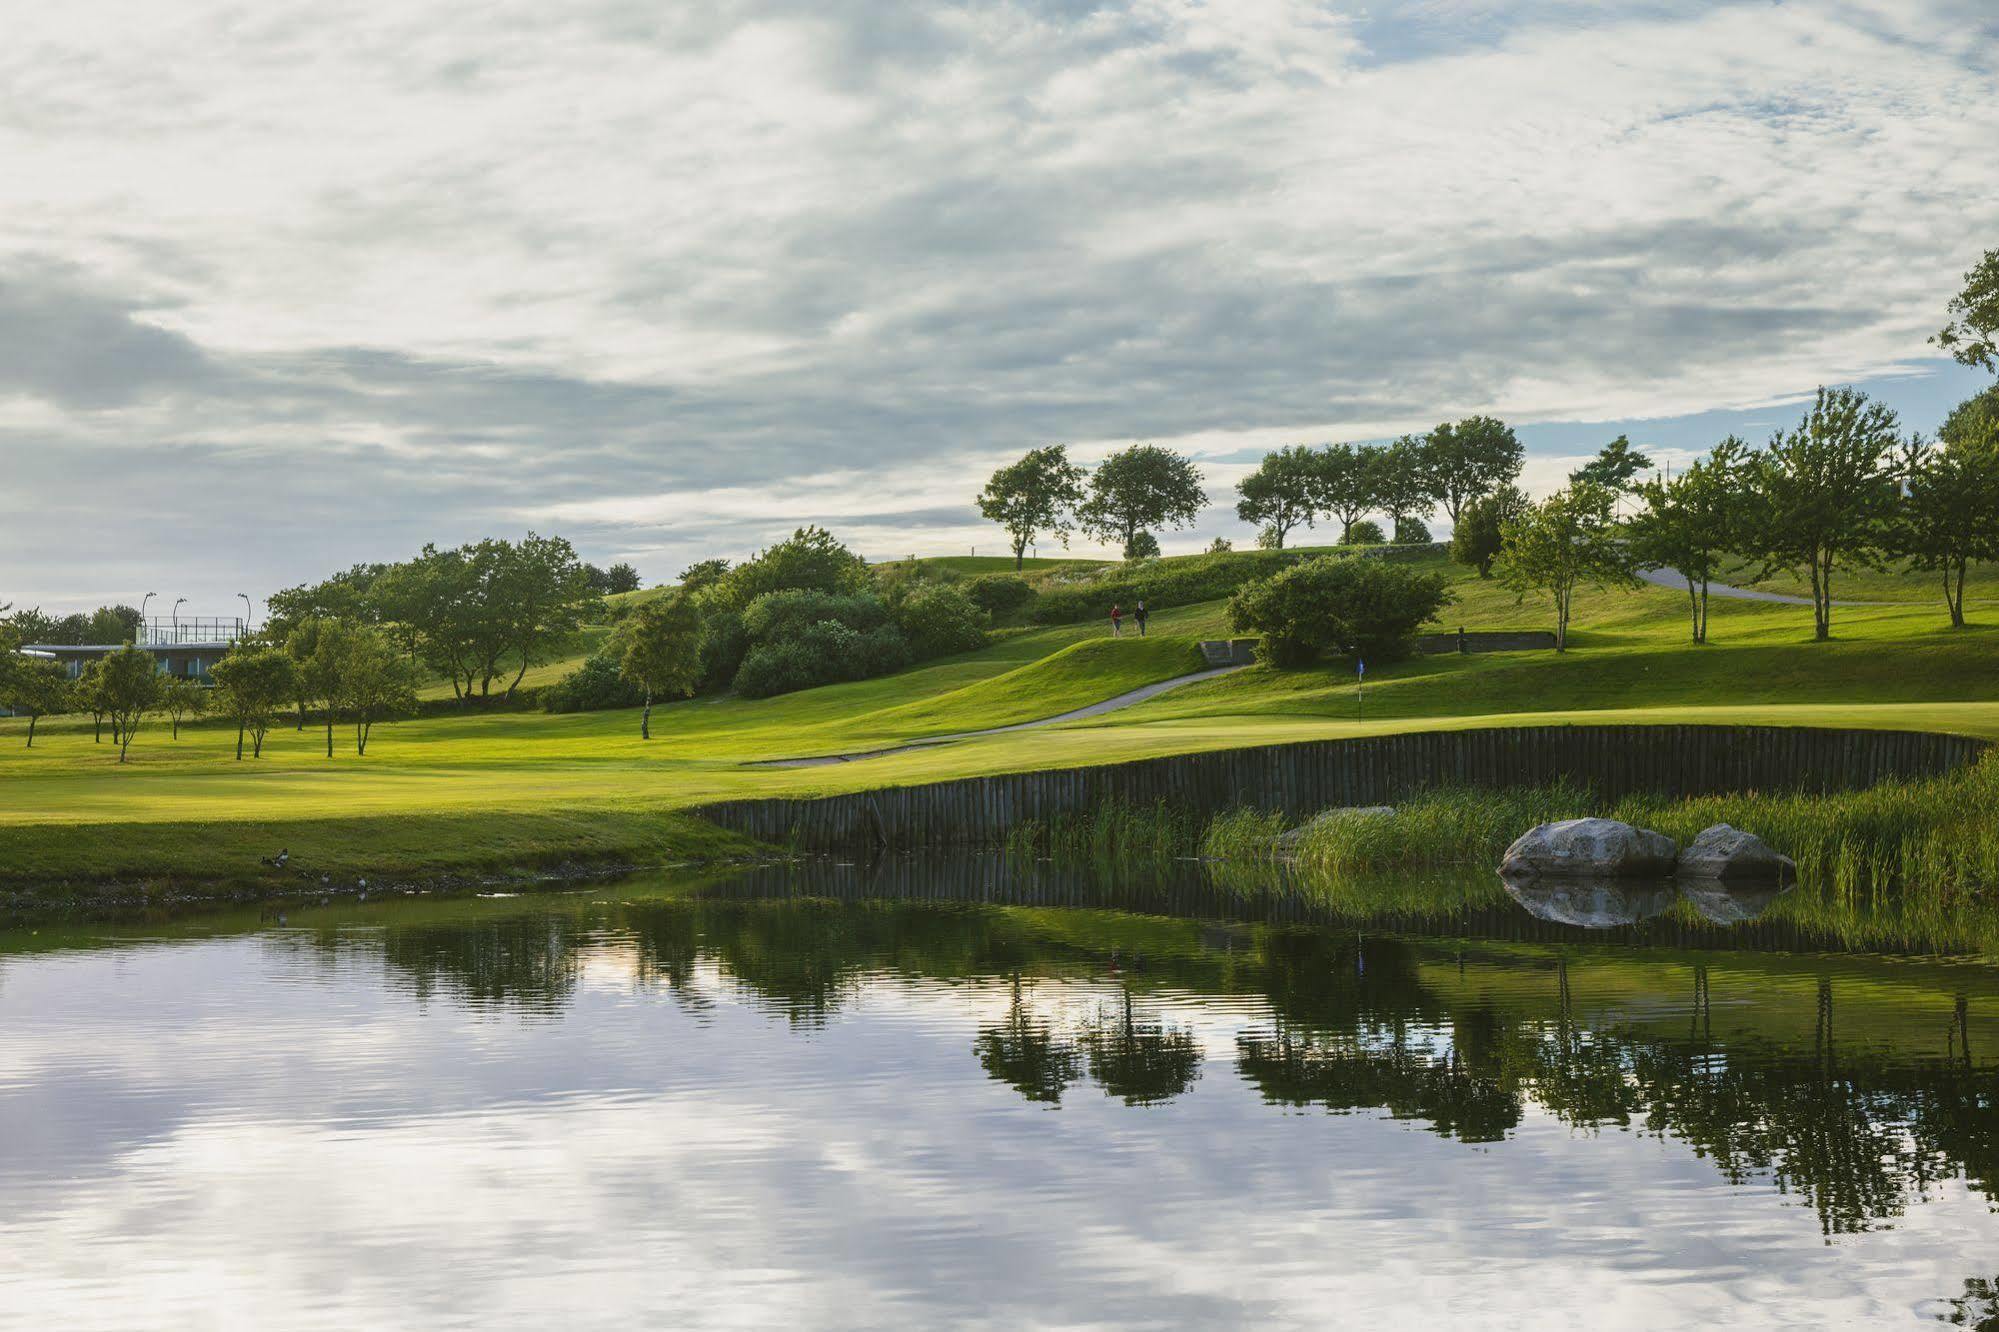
(248, 614)
(145, 634)
(177, 606)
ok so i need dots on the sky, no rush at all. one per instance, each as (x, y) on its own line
(286, 287)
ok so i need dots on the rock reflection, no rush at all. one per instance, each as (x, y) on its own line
(1591, 903)
(1730, 904)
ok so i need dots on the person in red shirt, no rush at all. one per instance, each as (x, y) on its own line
(1117, 621)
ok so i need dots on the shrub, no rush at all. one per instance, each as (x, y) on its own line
(824, 652)
(1220, 546)
(1177, 582)
(999, 594)
(592, 687)
(1411, 532)
(786, 614)
(1142, 546)
(1366, 532)
(938, 620)
(1337, 604)
(811, 560)
(1477, 539)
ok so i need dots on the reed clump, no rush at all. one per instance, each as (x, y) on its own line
(1115, 831)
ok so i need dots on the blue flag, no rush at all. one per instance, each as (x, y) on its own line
(1360, 667)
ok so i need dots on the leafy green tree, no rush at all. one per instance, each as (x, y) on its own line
(1402, 488)
(1337, 604)
(1467, 461)
(811, 560)
(1950, 516)
(371, 681)
(182, 700)
(1039, 493)
(114, 624)
(33, 688)
(130, 681)
(87, 693)
(312, 645)
(1137, 490)
(1480, 532)
(1825, 494)
(1346, 479)
(543, 598)
(1972, 335)
(660, 650)
(252, 684)
(938, 620)
(621, 577)
(1281, 494)
(1568, 539)
(1692, 523)
(702, 573)
(1366, 532)
(1615, 466)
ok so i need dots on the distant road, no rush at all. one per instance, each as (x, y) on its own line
(1123, 700)
(1673, 578)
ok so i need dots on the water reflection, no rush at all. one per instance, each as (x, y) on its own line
(754, 1037)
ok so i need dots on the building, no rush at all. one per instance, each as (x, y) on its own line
(187, 648)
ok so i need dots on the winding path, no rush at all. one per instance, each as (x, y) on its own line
(1673, 578)
(1123, 700)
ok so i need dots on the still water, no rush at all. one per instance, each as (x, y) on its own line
(967, 1092)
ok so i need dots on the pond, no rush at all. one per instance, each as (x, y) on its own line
(929, 1092)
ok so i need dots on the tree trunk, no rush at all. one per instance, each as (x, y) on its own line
(1694, 608)
(509, 695)
(31, 730)
(329, 729)
(1822, 597)
(239, 742)
(1019, 554)
(645, 719)
(1704, 605)
(1956, 603)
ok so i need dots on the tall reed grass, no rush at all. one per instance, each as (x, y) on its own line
(1114, 831)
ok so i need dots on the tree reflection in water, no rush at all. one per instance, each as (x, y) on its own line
(1831, 1095)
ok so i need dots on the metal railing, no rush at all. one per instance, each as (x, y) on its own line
(158, 632)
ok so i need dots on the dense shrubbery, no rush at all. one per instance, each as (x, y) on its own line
(591, 687)
(1337, 604)
(824, 652)
(999, 594)
(1179, 582)
(1366, 532)
(939, 619)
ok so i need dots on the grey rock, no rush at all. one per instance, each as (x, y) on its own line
(1590, 848)
(1722, 852)
(1290, 841)
(1592, 904)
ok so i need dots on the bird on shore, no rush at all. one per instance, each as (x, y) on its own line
(278, 861)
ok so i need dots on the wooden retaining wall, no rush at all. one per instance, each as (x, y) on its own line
(1303, 778)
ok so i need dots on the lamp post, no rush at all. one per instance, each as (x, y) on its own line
(145, 634)
(177, 606)
(248, 614)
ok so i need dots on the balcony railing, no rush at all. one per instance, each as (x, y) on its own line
(158, 633)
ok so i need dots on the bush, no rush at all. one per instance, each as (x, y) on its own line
(1366, 532)
(811, 560)
(1176, 582)
(1142, 546)
(592, 687)
(779, 615)
(1220, 546)
(999, 594)
(1477, 539)
(825, 652)
(1411, 532)
(938, 620)
(1337, 604)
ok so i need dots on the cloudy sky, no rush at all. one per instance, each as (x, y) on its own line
(288, 286)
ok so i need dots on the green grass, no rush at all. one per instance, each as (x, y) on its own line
(469, 789)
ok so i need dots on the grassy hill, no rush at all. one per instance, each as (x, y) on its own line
(496, 789)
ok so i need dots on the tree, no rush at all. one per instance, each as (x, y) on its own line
(1402, 488)
(1825, 493)
(1691, 523)
(1366, 532)
(1568, 539)
(315, 645)
(1972, 335)
(33, 688)
(1478, 535)
(702, 573)
(1138, 489)
(621, 577)
(114, 624)
(544, 596)
(130, 682)
(1280, 494)
(251, 684)
(1039, 493)
(371, 681)
(1337, 604)
(1470, 460)
(182, 699)
(1346, 484)
(87, 693)
(1950, 516)
(660, 650)
(1614, 466)
(812, 560)
(1142, 546)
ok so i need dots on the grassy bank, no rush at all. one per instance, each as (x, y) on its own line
(476, 788)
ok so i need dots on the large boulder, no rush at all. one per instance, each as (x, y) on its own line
(1590, 848)
(1722, 852)
(1592, 904)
